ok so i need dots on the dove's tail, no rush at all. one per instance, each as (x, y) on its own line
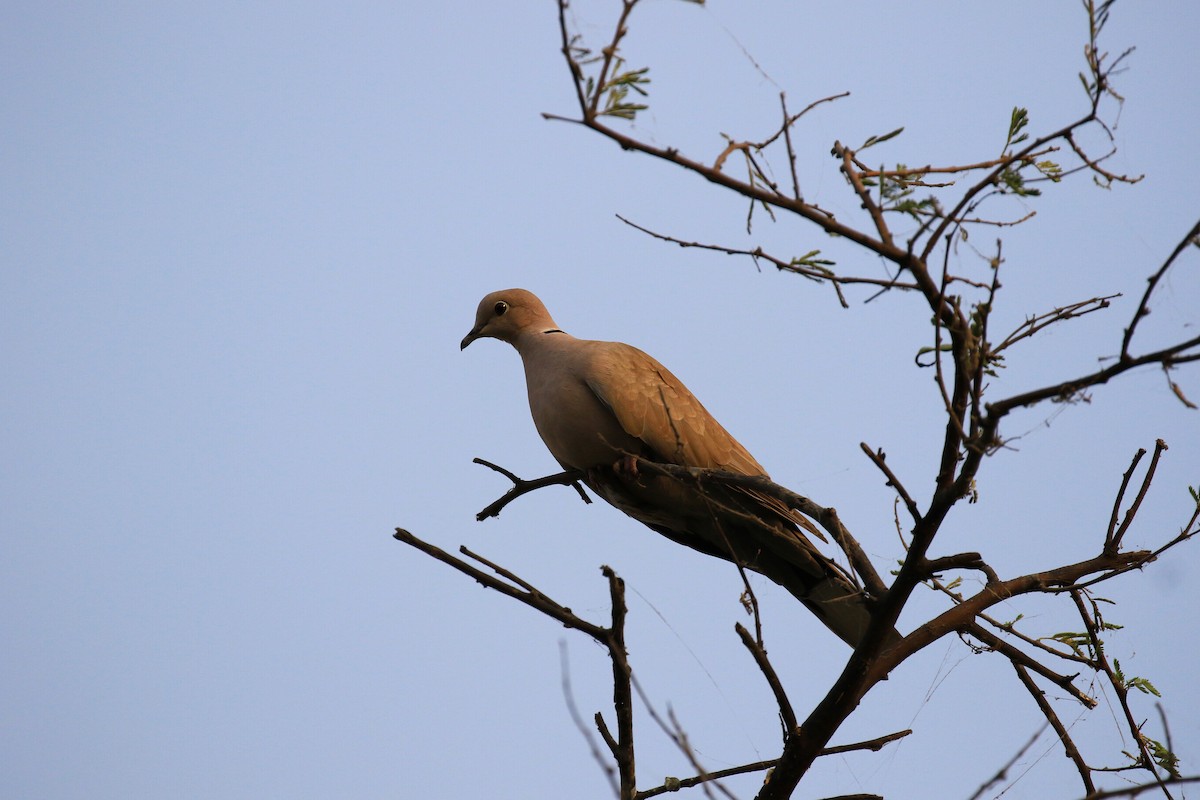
(841, 606)
(734, 529)
(824, 588)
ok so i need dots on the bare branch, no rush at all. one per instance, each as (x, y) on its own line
(928, 169)
(613, 638)
(852, 175)
(818, 273)
(790, 119)
(1115, 535)
(570, 477)
(569, 696)
(879, 459)
(622, 692)
(787, 137)
(873, 745)
(529, 596)
(962, 561)
(1094, 624)
(764, 664)
(1071, 387)
(1002, 773)
(1093, 164)
(1020, 658)
(1036, 323)
(1191, 237)
(1072, 752)
(1137, 789)
(681, 738)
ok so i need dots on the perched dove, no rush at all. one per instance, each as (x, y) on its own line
(596, 404)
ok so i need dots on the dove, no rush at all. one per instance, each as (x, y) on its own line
(599, 406)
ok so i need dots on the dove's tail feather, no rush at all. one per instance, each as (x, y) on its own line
(839, 605)
(760, 538)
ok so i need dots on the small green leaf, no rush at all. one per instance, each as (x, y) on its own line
(1009, 625)
(874, 140)
(1164, 757)
(1050, 170)
(1017, 123)
(1076, 640)
(811, 261)
(1012, 182)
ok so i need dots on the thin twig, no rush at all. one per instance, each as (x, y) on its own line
(1072, 752)
(872, 208)
(787, 138)
(1094, 625)
(569, 696)
(1134, 791)
(1002, 773)
(786, 266)
(570, 477)
(764, 665)
(1067, 388)
(879, 459)
(622, 680)
(931, 170)
(1021, 658)
(873, 745)
(1119, 536)
(531, 597)
(1036, 323)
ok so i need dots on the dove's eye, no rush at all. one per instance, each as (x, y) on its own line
(501, 307)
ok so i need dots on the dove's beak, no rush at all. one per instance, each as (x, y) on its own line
(470, 337)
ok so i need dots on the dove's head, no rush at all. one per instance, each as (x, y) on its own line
(507, 314)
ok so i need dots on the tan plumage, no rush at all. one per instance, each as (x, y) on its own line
(594, 403)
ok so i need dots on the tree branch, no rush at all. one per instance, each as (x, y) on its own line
(786, 713)
(879, 459)
(530, 596)
(570, 477)
(1191, 237)
(1072, 752)
(675, 784)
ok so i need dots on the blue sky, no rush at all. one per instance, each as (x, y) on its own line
(241, 243)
